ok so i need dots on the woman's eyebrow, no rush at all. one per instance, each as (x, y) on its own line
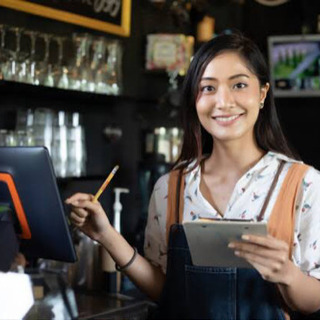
(208, 78)
(230, 78)
(239, 76)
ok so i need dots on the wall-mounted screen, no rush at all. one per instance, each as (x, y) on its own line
(295, 65)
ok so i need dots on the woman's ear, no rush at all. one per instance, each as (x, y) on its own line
(263, 91)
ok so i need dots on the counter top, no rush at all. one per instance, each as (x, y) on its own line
(86, 305)
(95, 305)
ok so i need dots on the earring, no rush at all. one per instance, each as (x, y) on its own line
(261, 105)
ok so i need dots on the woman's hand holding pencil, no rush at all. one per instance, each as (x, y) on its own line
(87, 213)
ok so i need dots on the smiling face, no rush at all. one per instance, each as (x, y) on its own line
(229, 97)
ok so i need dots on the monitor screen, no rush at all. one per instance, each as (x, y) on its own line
(295, 65)
(28, 186)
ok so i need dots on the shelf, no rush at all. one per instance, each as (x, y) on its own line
(24, 90)
(82, 178)
(10, 87)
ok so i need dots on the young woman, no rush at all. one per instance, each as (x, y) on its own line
(235, 164)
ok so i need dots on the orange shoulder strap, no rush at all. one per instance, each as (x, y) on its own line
(175, 199)
(282, 219)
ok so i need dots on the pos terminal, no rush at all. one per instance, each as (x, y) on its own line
(31, 211)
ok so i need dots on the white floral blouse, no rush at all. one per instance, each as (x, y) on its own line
(245, 203)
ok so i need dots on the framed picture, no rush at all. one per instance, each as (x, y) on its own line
(107, 16)
(169, 52)
(294, 62)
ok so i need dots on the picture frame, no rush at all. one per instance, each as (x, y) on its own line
(294, 65)
(169, 52)
(97, 20)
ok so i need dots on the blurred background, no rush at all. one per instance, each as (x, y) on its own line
(96, 98)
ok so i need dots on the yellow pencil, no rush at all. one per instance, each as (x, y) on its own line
(106, 182)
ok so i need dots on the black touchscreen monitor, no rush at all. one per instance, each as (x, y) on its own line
(28, 187)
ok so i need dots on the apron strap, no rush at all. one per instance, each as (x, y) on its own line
(175, 199)
(270, 192)
(282, 219)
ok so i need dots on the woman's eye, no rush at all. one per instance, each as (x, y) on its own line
(240, 85)
(207, 89)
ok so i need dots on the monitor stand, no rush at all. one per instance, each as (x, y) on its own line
(9, 245)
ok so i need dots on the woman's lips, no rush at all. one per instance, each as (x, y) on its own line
(227, 120)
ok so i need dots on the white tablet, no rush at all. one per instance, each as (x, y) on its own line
(208, 241)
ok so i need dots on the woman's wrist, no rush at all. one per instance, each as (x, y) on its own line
(129, 263)
(290, 274)
(106, 236)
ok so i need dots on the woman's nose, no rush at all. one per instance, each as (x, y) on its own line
(224, 98)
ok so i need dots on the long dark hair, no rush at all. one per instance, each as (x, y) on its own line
(197, 142)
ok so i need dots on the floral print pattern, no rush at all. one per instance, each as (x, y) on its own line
(245, 202)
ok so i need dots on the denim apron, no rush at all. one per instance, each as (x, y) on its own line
(195, 292)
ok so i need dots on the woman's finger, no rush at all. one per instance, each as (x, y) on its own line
(87, 205)
(268, 241)
(75, 218)
(263, 252)
(272, 263)
(80, 212)
(79, 197)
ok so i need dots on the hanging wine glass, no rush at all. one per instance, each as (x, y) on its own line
(75, 67)
(10, 64)
(80, 73)
(45, 67)
(4, 54)
(60, 70)
(87, 81)
(114, 68)
(31, 63)
(99, 65)
(16, 68)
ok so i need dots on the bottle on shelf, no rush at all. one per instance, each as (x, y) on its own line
(59, 153)
(77, 155)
